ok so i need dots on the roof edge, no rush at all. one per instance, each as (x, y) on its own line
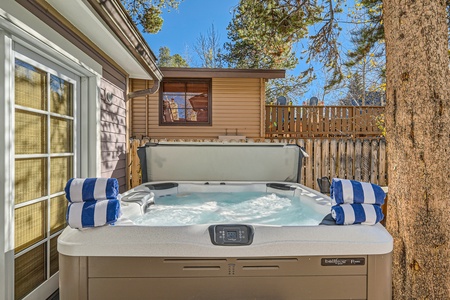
(223, 73)
(116, 17)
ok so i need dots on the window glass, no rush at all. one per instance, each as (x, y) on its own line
(30, 270)
(60, 96)
(30, 86)
(185, 103)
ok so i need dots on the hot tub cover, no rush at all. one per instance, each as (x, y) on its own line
(221, 162)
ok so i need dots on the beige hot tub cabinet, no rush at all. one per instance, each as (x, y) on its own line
(293, 277)
(321, 262)
(202, 261)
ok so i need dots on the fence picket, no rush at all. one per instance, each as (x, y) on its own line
(342, 159)
(358, 160)
(309, 163)
(365, 163)
(333, 158)
(325, 158)
(135, 165)
(317, 169)
(374, 162)
(382, 164)
(301, 143)
(349, 159)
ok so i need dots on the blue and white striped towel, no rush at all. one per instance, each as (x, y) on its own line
(93, 213)
(347, 214)
(91, 189)
(351, 191)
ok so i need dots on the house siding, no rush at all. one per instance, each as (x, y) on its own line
(113, 134)
(237, 104)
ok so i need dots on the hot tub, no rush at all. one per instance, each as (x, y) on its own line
(233, 256)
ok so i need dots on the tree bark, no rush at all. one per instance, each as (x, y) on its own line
(418, 137)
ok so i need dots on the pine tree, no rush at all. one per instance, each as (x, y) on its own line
(167, 60)
(418, 137)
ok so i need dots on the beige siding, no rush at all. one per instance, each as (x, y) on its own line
(113, 134)
(236, 106)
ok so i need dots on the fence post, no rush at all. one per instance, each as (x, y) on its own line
(135, 165)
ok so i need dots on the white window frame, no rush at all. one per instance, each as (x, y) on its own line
(88, 140)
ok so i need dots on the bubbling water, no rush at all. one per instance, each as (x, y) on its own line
(227, 208)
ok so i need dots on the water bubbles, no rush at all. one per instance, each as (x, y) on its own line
(227, 208)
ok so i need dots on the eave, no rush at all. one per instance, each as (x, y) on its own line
(222, 73)
(107, 24)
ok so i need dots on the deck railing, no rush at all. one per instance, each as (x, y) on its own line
(283, 121)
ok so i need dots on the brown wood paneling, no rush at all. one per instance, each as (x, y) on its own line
(236, 107)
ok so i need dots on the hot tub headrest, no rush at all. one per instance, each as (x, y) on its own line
(220, 162)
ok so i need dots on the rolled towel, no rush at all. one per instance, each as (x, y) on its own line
(91, 189)
(351, 191)
(347, 214)
(93, 213)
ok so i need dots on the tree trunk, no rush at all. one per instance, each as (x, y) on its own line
(418, 130)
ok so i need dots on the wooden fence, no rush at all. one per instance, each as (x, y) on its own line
(358, 159)
(286, 121)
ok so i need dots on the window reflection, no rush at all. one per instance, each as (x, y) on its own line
(185, 102)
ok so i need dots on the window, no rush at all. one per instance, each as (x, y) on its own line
(185, 102)
(44, 131)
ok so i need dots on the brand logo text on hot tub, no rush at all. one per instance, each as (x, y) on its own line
(347, 261)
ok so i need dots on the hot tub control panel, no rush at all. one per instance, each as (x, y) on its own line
(231, 235)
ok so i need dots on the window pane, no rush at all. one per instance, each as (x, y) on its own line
(58, 207)
(30, 133)
(60, 96)
(60, 173)
(173, 102)
(29, 225)
(60, 135)
(200, 106)
(30, 271)
(30, 86)
(30, 179)
(54, 262)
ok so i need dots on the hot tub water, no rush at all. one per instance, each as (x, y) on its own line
(226, 208)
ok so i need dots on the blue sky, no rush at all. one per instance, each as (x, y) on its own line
(182, 28)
